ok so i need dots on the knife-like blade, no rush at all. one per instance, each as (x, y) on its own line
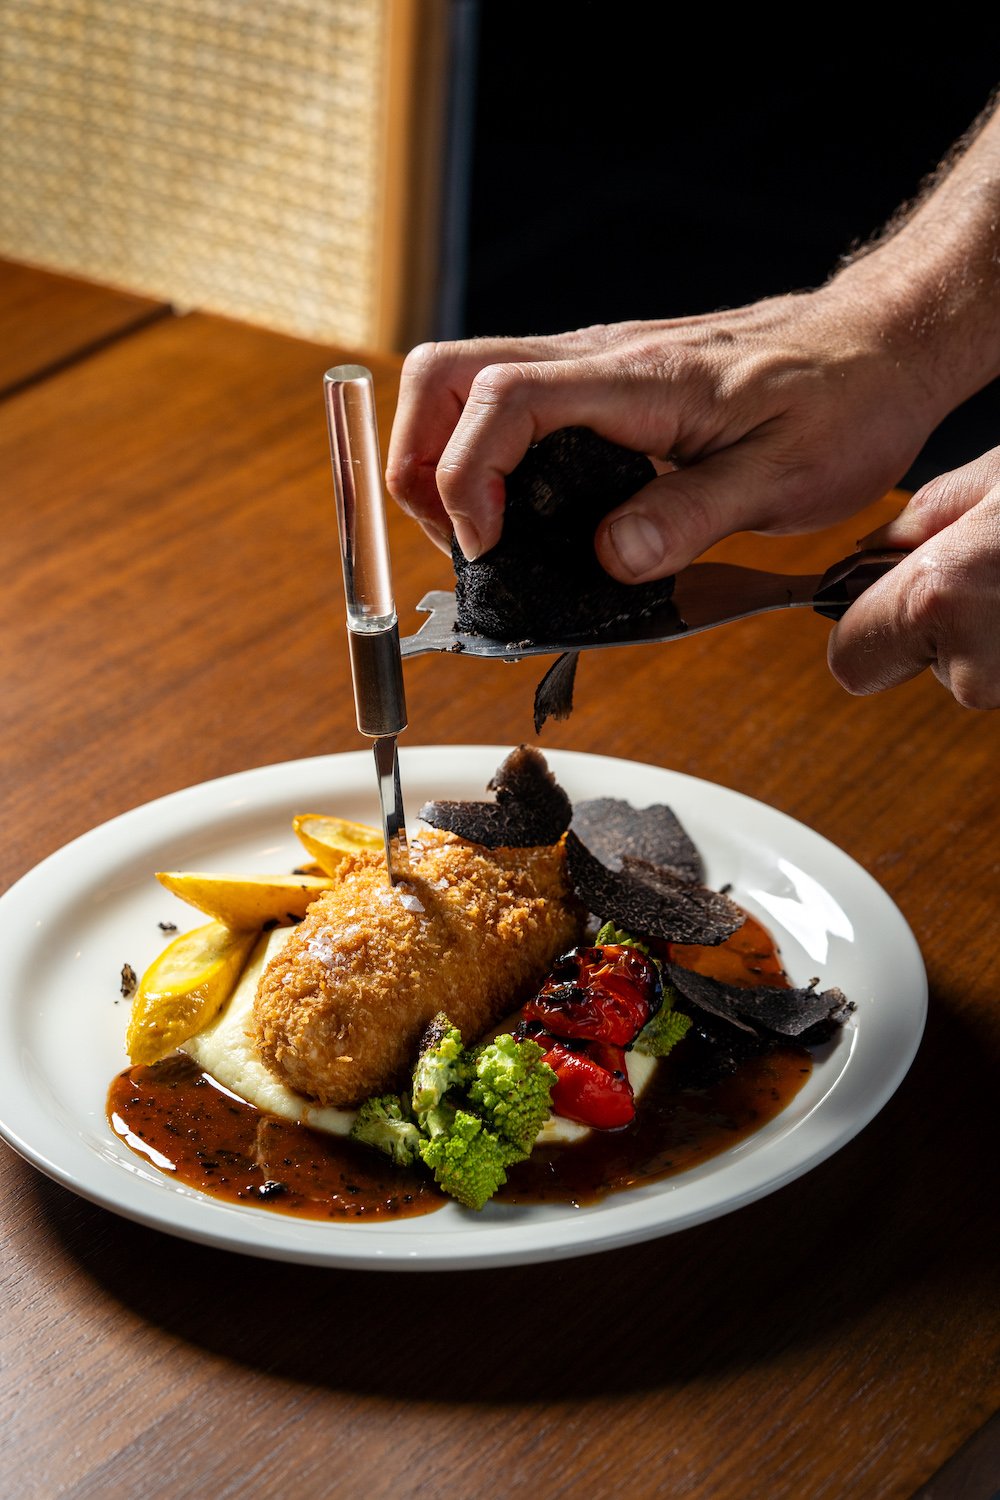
(391, 799)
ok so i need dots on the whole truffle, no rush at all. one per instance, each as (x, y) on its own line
(542, 579)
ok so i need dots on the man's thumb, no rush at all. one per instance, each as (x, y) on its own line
(677, 516)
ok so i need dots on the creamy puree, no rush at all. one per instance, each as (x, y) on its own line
(225, 1052)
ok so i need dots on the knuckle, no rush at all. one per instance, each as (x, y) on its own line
(594, 337)
(696, 518)
(934, 498)
(956, 489)
(970, 690)
(499, 384)
(422, 360)
(400, 476)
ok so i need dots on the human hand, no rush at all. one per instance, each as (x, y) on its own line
(940, 606)
(782, 416)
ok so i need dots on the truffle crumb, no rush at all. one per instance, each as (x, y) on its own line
(271, 1189)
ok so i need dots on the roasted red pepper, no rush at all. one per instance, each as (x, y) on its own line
(591, 1085)
(601, 994)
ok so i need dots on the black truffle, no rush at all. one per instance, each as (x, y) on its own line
(531, 807)
(554, 694)
(786, 1012)
(655, 902)
(613, 829)
(542, 580)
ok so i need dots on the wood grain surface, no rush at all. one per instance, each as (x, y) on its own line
(172, 611)
(48, 320)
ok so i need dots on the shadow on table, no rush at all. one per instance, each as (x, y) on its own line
(807, 1263)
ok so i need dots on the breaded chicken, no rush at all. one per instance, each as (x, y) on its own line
(471, 932)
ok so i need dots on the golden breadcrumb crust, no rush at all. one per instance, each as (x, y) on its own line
(472, 931)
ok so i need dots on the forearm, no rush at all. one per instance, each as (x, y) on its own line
(932, 281)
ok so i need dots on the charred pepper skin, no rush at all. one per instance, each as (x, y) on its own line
(598, 994)
(593, 1005)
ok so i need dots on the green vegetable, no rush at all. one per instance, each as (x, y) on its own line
(665, 1029)
(386, 1124)
(512, 1089)
(469, 1162)
(441, 1065)
(468, 1116)
(618, 937)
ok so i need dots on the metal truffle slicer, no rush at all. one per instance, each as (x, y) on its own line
(705, 595)
(372, 629)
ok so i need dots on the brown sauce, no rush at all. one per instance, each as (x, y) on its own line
(674, 1129)
(200, 1134)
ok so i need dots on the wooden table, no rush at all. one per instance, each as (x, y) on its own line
(172, 612)
(50, 321)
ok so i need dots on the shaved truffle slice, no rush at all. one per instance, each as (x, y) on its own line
(613, 830)
(554, 694)
(542, 580)
(645, 898)
(531, 807)
(786, 1012)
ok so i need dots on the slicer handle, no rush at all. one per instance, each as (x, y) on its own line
(357, 482)
(847, 580)
(349, 395)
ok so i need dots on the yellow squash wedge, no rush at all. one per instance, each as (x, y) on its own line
(184, 988)
(331, 840)
(247, 902)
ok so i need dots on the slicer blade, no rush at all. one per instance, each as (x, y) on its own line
(705, 595)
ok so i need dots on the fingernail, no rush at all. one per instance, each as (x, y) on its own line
(468, 537)
(438, 535)
(637, 541)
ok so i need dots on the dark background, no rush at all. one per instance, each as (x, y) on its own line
(619, 167)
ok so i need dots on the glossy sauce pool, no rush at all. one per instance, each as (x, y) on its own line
(203, 1136)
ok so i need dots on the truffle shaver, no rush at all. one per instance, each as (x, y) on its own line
(372, 629)
(705, 595)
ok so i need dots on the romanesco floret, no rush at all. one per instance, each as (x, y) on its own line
(386, 1124)
(441, 1065)
(469, 1116)
(665, 1029)
(512, 1089)
(468, 1161)
(619, 938)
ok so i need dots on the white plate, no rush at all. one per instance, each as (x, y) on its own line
(69, 925)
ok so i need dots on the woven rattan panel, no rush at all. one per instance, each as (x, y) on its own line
(217, 154)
